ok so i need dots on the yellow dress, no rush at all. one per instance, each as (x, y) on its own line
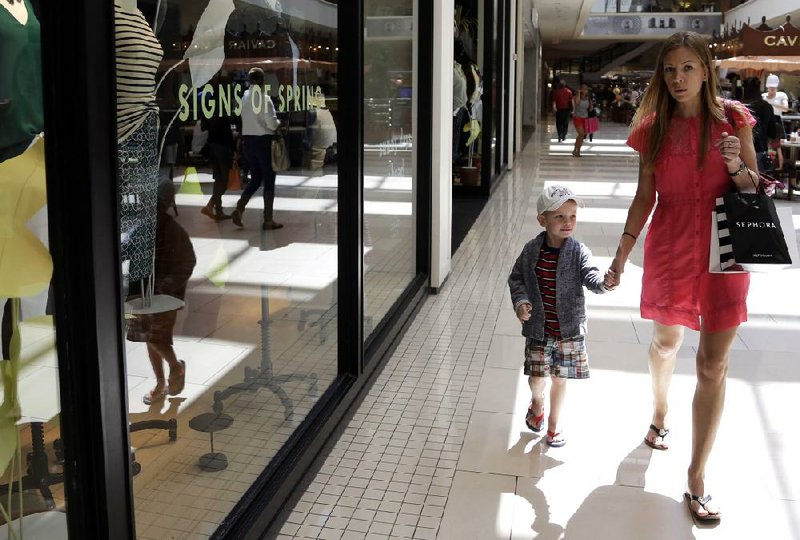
(25, 263)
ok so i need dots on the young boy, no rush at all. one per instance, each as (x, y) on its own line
(547, 292)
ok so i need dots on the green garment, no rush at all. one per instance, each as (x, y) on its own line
(21, 117)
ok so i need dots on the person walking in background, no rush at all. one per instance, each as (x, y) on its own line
(220, 152)
(581, 103)
(688, 156)
(562, 98)
(174, 263)
(780, 105)
(259, 122)
(765, 129)
(592, 123)
(554, 325)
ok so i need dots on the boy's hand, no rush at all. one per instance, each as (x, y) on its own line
(611, 279)
(524, 312)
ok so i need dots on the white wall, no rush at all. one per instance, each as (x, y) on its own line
(442, 183)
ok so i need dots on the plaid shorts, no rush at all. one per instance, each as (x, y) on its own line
(565, 358)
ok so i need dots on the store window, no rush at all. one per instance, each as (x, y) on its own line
(468, 117)
(31, 451)
(227, 140)
(390, 183)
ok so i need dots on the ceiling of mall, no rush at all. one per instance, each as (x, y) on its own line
(560, 23)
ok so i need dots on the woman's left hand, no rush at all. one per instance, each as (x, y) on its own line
(729, 146)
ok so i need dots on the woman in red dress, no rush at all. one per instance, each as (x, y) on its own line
(688, 156)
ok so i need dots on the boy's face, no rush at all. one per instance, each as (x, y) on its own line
(560, 223)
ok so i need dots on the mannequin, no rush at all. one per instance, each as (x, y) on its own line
(20, 79)
(25, 263)
(138, 56)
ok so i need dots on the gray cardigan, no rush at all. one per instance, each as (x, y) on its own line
(573, 271)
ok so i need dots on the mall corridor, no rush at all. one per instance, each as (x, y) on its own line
(438, 447)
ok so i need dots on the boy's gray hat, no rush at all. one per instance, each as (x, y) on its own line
(553, 197)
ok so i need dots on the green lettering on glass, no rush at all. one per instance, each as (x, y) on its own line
(237, 97)
(182, 92)
(208, 105)
(255, 98)
(224, 101)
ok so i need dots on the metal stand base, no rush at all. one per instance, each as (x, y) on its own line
(213, 461)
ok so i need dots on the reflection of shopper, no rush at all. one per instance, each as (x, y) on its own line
(562, 99)
(259, 122)
(546, 286)
(220, 153)
(323, 134)
(780, 105)
(174, 262)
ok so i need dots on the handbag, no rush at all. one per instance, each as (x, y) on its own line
(280, 154)
(234, 177)
(747, 235)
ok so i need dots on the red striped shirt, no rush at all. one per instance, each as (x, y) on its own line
(546, 276)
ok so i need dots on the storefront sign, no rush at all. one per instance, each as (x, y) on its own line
(782, 41)
(228, 100)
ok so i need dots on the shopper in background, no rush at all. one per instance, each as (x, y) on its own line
(174, 263)
(562, 99)
(581, 103)
(592, 123)
(765, 129)
(780, 105)
(259, 122)
(688, 156)
(221, 146)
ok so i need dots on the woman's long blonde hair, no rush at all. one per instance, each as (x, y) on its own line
(658, 100)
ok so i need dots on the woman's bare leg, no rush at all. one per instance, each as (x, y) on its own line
(579, 142)
(662, 356)
(709, 400)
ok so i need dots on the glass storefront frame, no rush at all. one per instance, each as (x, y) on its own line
(81, 163)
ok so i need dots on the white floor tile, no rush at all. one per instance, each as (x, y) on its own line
(480, 506)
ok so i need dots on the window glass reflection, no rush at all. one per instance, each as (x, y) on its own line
(389, 155)
(31, 451)
(229, 243)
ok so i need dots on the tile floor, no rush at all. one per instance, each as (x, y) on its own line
(438, 447)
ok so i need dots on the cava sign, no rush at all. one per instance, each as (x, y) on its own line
(782, 41)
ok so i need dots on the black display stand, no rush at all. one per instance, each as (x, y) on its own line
(262, 376)
(38, 475)
(211, 423)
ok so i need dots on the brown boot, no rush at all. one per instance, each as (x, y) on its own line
(269, 223)
(219, 215)
(236, 215)
(208, 210)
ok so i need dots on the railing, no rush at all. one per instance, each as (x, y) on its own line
(656, 6)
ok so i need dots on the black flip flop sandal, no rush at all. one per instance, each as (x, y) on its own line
(702, 501)
(661, 433)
